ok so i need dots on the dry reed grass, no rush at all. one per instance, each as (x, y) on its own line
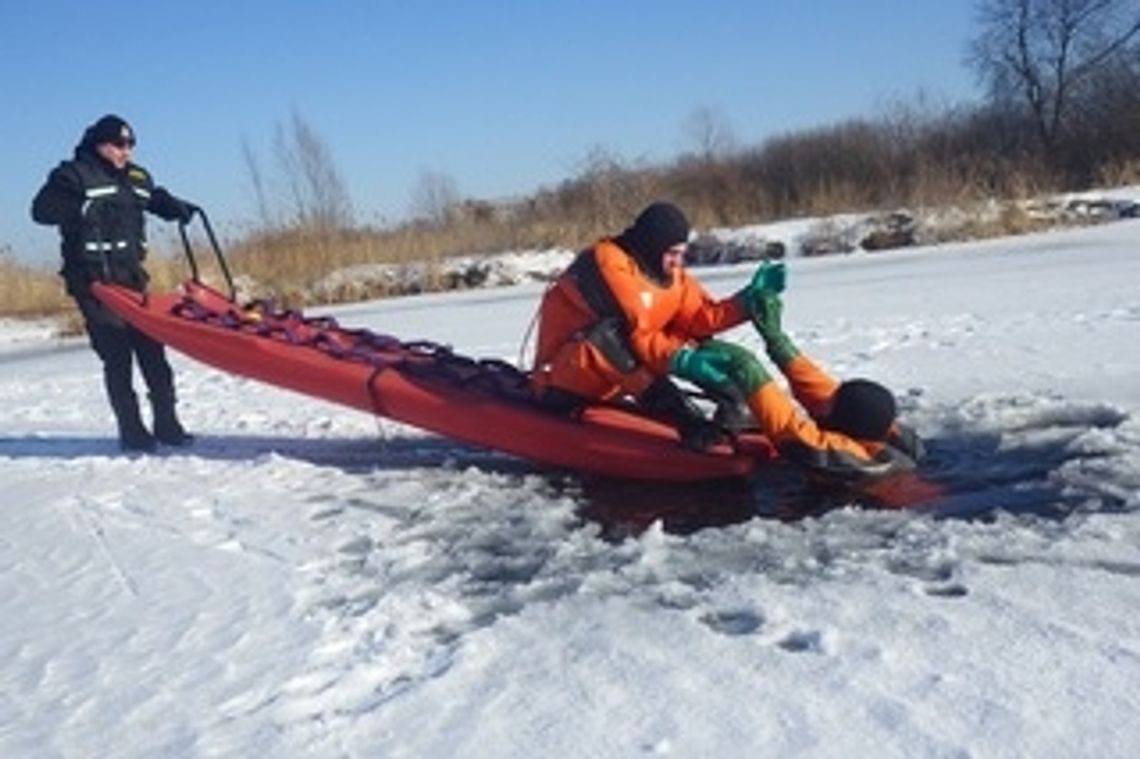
(285, 264)
(27, 291)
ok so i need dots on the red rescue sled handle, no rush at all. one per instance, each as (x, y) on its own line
(190, 258)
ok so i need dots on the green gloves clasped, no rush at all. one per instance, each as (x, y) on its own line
(717, 365)
(770, 279)
(766, 310)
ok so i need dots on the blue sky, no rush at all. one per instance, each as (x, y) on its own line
(503, 96)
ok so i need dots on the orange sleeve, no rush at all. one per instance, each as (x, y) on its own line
(811, 385)
(782, 423)
(699, 315)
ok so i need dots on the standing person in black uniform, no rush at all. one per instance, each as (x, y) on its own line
(97, 200)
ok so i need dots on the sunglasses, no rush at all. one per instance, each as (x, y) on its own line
(123, 143)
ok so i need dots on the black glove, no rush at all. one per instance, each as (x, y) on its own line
(185, 211)
(700, 435)
(172, 208)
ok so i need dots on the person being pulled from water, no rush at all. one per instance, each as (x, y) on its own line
(851, 428)
(626, 314)
(97, 200)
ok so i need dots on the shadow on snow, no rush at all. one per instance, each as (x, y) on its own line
(976, 474)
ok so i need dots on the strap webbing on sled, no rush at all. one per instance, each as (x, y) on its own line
(419, 358)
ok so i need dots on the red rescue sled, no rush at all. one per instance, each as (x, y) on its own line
(425, 385)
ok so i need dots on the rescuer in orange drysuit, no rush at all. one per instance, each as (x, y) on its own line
(625, 315)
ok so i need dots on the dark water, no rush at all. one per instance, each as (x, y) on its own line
(964, 476)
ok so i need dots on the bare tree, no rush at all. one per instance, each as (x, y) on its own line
(613, 189)
(434, 196)
(1042, 53)
(257, 179)
(314, 182)
(711, 131)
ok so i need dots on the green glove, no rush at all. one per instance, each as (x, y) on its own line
(720, 366)
(766, 318)
(769, 279)
(702, 366)
(745, 371)
(767, 315)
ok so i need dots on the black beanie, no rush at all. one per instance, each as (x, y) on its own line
(108, 129)
(656, 229)
(862, 409)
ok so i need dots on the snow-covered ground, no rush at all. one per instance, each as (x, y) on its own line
(311, 581)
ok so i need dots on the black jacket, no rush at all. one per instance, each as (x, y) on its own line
(99, 212)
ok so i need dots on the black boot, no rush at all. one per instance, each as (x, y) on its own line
(733, 414)
(665, 400)
(133, 434)
(167, 429)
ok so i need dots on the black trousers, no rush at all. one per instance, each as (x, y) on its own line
(118, 344)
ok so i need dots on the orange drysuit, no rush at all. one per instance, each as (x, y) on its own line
(606, 328)
(799, 436)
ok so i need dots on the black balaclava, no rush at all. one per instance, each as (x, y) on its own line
(656, 229)
(862, 409)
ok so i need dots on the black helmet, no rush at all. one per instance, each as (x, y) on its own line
(862, 409)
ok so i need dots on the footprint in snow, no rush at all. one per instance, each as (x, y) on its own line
(803, 642)
(734, 622)
(951, 590)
